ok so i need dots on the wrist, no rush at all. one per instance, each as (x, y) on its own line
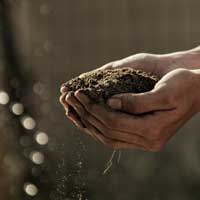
(196, 83)
(189, 59)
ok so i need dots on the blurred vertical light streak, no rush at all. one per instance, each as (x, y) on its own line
(9, 53)
(3, 182)
(10, 69)
(11, 62)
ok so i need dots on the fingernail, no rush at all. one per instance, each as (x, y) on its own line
(68, 95)
(115, 103)
(79, 93)
(63, 89)
(67, 111)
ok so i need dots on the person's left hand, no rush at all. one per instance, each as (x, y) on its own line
(143, 121)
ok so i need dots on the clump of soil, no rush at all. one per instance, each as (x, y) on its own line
(102, 84)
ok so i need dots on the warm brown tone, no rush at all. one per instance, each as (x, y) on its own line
(102, 84)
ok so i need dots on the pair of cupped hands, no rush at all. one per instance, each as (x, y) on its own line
(144, 121)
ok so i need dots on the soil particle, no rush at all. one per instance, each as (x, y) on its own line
(102, 84)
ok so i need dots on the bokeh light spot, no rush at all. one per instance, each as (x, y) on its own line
(37, 157)
(41, 138)
(30, 189)
(4, 98)
(17, 108)
(28, 123)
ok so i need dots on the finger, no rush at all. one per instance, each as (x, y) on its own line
(107, 66)
(76, 105)
(141, 61)
(80, 111)
(114, 144)
(71, 100)
(72, 116)
(93, 131)
(64, 88)
(62, 100)
(70, 111)
(155, 100)
(118, 135)
(88, 132)
(115, 120)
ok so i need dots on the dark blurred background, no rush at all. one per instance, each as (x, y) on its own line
(43, 43)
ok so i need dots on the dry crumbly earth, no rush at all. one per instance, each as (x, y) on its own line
(102, 84)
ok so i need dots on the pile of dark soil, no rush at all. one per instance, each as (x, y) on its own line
(102, 84)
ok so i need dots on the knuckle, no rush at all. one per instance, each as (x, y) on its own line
(142, 56)
(145, 58)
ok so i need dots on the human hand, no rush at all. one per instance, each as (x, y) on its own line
(156, 64)
(153, 117)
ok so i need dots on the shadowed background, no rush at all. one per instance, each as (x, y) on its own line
(43, 44)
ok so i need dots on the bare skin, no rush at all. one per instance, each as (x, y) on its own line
(165, 109)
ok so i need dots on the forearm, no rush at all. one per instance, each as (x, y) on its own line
(197, 85)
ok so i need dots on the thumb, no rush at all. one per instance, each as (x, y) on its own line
(139, 103)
